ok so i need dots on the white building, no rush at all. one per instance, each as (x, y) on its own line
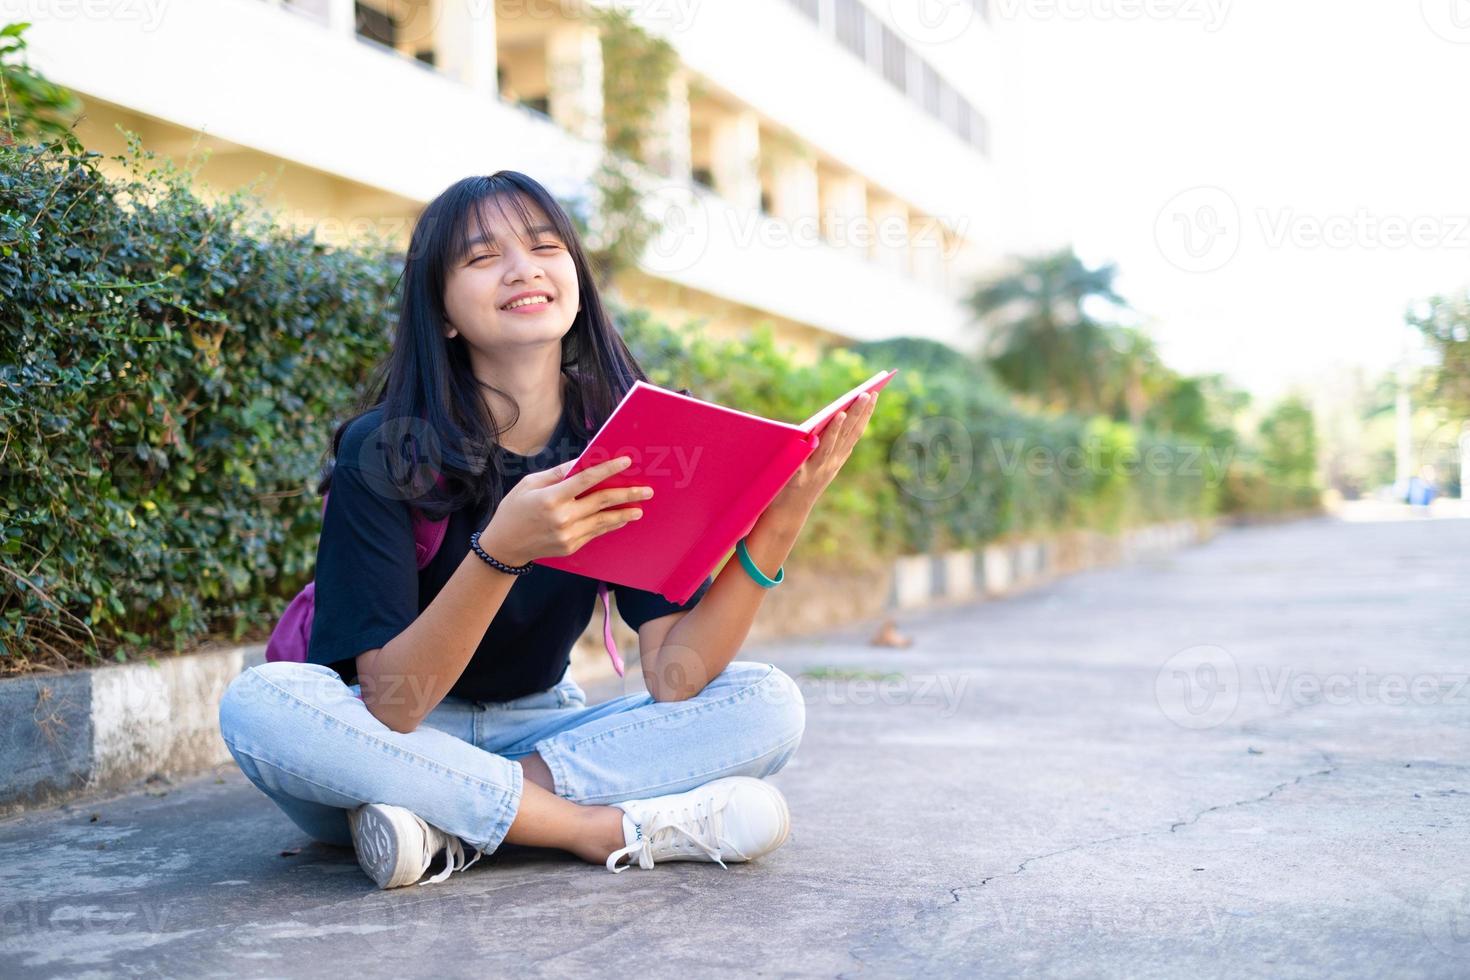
(825, 166)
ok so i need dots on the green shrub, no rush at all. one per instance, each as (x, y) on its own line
(170, 374)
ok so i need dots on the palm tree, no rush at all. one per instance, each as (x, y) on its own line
(1044, 341)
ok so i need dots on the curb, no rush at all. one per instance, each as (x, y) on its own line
(1002, 569)
(68, 735)
(92, 731)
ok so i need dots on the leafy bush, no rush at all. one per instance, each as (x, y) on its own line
(168, 375)
(947, 461)
(171, 372)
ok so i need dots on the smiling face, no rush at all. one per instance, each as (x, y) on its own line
(515, 283)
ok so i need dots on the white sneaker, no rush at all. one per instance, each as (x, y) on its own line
(395, 846)
(736, 818)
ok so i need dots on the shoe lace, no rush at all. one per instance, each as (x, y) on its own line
(702, 827)
(454, 856)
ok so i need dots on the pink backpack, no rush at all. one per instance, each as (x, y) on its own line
(292, 635)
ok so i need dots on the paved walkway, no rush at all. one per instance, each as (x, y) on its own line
(1247, 758)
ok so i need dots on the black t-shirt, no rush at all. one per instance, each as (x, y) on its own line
(368, 589)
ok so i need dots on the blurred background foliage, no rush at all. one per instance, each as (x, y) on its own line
(172, 370)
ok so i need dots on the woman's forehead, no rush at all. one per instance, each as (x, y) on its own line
(508, 215)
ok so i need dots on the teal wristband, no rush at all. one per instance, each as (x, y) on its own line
(756, 573)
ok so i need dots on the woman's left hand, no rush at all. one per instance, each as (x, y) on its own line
(796, 499)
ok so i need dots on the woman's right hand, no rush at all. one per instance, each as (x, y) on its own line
(542, 517)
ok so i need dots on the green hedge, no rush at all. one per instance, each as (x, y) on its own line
(948, 461)
(172, 371)
(170, 374)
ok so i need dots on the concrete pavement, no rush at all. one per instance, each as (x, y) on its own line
(1249, 757)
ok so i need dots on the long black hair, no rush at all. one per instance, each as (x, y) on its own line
(436, 417)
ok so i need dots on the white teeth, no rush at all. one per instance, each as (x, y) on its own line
(528, 301)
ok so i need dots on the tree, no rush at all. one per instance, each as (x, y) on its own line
(1289, 443)
(1045, 341)
(1445, 324)
(34, 109)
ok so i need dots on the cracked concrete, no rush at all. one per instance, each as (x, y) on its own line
(1246, 758)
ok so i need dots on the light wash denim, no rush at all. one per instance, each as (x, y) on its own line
(309, 743)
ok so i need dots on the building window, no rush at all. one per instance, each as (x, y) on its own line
(980, 132)
(376, 25)
(933, 98)
(852, 28)
(810, 8)
(895, 59)
(856, 29)
(313, 9)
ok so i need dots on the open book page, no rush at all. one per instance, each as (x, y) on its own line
(713, 470)
(819, 421)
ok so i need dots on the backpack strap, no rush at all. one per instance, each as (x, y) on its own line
(607, 635)
(427, 535)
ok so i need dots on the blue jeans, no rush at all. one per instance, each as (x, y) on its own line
(310, 744)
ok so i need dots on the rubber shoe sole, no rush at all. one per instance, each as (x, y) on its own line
(377, 837)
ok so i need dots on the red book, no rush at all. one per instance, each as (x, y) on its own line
(713, 470)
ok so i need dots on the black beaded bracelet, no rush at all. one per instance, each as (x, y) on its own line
(502, 566)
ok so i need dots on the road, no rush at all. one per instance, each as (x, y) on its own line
(1246, 758)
